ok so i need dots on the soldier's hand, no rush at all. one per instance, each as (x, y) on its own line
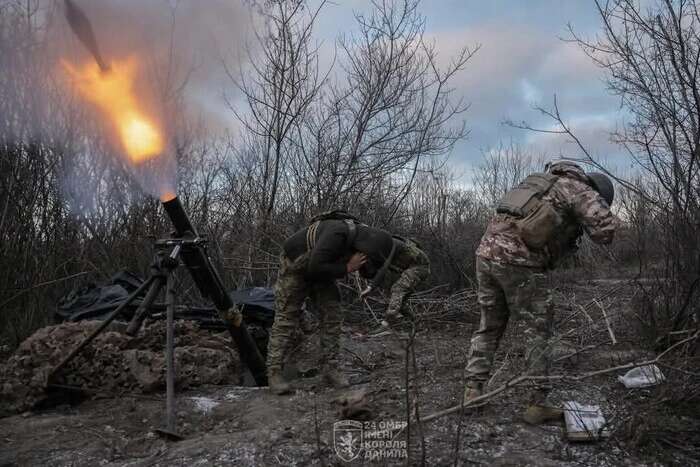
(355, 262)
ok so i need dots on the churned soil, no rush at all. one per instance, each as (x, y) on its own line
(113, 362)
(229, 424)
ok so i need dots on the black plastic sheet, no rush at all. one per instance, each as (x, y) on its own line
(97, 301)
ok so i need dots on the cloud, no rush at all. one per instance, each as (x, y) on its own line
(565, 60)
(592, 130)
(176, 48)
(530, 92)
(518, 67)
(178, 42)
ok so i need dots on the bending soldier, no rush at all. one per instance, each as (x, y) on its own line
(537, 224)
(407, 268)
(312, 260)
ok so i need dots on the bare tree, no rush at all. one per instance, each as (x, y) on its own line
(371, 140)
(282, 83)
(502, 168)
(651, 56)
(392, 108)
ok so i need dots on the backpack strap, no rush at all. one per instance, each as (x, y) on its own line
(311, 236)
(399, 238)
(352, 233)
(524, 198)
(313, 228)
(336, 214)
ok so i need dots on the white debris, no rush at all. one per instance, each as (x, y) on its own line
(240, 392)
(233, 396)
(584, 422)
(642, 377)
(204, 404)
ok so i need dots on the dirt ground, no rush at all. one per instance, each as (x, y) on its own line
(236, 425)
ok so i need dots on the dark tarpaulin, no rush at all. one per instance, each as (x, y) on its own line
(96, 302)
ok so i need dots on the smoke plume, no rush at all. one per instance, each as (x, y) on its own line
(180, 47)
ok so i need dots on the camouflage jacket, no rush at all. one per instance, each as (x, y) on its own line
(408, 255)
(330, 251)
(581, 209)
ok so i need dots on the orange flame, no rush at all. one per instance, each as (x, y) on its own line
(112, 92)
(167, 196)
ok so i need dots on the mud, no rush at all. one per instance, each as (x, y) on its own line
(234, 425)
(113, 362)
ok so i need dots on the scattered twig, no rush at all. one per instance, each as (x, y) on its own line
(495, 373)
(573, 354)
(585, 313)
(317, 432)
(607, 322)
(360, 361)
(41, 284)
(411, 348)
(408, 403)
(364, 299)
(458, 434)
(522, 378)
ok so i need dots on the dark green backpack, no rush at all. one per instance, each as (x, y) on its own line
(336, 214)
(333, 215)
(407, 240)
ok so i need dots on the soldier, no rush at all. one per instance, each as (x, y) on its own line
(537, 223)
(312, 259)
(406, 269)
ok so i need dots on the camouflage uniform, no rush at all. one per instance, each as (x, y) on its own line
(409, 268)
(313, 259)
(511, 276)
(291, 290)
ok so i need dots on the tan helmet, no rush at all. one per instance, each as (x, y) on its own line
(560, 165)
(603, 185)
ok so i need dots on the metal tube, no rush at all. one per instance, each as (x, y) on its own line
(101, 327)
(170, 354)
(212, 287)
(143, 310)
(178, 217)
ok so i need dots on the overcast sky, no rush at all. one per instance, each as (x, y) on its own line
(522, 62)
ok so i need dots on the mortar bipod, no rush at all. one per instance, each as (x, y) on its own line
(161, 275)
(162, 265)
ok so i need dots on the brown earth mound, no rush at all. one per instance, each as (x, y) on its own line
(113, 362)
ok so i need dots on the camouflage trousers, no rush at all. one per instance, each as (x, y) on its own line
(521, 293)
(291, 290)
(412, 267)
(404, 286)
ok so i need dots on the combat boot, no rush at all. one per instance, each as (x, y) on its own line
(278, 385)
(392, 318)
(537, 414)
(334, 378)
(472, 391)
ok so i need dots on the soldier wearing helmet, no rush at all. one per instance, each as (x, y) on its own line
(537, 223)
(333, 245)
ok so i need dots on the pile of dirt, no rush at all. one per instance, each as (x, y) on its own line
(114, 362)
